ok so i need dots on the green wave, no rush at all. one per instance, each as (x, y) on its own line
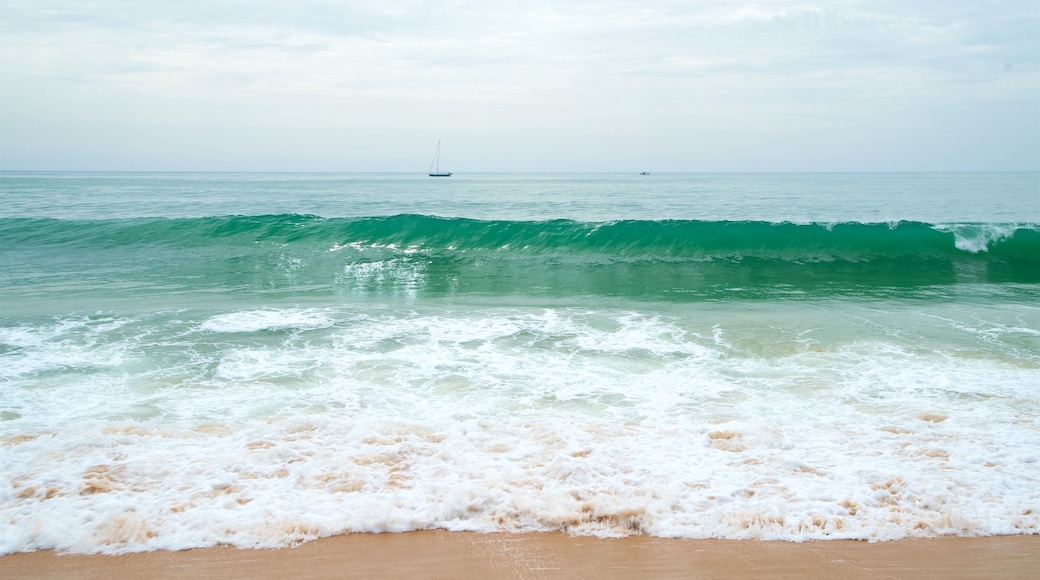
(414, 254)
(664, 239)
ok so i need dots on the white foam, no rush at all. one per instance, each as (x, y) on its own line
(975, 238)
(63, 345)
(267, 319)
(683, 423)
(393, 276)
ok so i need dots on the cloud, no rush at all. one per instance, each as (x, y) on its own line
(667, 66)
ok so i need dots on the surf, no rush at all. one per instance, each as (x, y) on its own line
(419, 255)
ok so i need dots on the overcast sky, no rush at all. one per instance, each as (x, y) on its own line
(532, 85)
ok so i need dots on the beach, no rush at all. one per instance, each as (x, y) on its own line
(692, 290)
(439, 554)
(260, 361)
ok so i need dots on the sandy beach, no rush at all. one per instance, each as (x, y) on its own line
(439, 554)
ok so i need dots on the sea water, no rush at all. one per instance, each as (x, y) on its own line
(257, 360)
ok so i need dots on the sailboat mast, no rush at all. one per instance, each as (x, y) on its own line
(437, 164)
(436, 160)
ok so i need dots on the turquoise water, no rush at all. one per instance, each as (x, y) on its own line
(262, 359)
(821, 197)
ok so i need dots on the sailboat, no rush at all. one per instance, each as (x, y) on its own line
(437, 163)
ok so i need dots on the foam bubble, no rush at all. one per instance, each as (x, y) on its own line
(267, 319)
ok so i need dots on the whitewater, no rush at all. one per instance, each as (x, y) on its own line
(259, 360)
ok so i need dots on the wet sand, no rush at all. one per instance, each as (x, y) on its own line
(438, 554)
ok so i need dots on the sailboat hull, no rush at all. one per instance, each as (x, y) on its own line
(440, 175)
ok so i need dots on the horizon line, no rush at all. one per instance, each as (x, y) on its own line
(636, 172)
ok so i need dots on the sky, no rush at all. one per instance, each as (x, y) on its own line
(532, 85)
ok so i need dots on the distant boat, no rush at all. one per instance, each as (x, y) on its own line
(644, 173)
(437, 163)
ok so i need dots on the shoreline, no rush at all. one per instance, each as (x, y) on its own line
(443, 554)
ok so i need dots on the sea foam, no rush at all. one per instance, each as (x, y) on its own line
(256, 320)
(269, 427)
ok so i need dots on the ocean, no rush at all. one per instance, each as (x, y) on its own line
(262, 359)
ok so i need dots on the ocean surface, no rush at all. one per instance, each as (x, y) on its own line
(258, 360)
